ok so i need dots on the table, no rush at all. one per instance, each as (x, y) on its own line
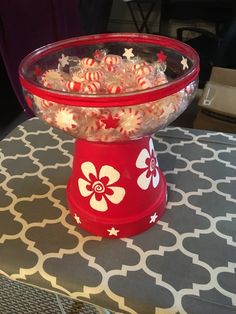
(184, 264)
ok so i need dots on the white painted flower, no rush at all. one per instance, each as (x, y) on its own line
(99, 186)
(147, 160)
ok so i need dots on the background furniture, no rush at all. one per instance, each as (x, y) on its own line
(186, 263)
(138, 6)
(217, 12)
(215, 48)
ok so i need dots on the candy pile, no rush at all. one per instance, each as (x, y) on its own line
(104, 74)
(109, 74)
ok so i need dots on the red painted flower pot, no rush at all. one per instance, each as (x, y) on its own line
(116, 189)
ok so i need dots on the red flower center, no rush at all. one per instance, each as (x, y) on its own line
(151, 164)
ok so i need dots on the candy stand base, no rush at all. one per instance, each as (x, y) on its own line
(116, 189)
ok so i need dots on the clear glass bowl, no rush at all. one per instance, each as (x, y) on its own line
(110, 87)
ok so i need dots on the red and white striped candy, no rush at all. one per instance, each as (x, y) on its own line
(160, 79)
(112, 59)
(189, 89)
(144, 70)
(114, 89)
(143, 82)
(138, 65)
(43, 103)
(46, 118)
(51, 78)
(130, 121)
(91, 87)
(93, 75)
(73, 86)
(78, 77)
(109, 68)
(65, 119)
(47, 103)
(99, 54)
(88, 62)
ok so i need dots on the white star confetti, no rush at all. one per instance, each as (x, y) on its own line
(77, 219)
(153, 218)
(113, 231)
(64, 60)
(128, 53)
(184, 62)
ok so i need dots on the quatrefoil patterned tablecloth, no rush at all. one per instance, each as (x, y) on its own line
(184, 264)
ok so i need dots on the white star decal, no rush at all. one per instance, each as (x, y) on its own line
(64, 60)
(184, 62)
(153, 218)
(112, 231)
(128, 53)
(77, 219)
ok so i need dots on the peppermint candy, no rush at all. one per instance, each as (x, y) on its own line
(112, 59)
(143, 82)
(43, 103)
(73, 86)
(65, 119)
(93, 75)
(144, 70)
(99, 54)
(88, 62)
(137, 65)
(91, 88)
(52, 78)
(130, 121)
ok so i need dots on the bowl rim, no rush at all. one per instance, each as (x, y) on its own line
(111, 100)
